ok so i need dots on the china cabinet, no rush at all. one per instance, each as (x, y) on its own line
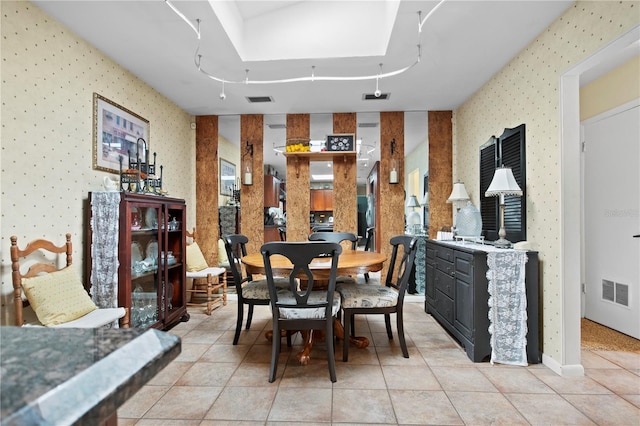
(151, 256)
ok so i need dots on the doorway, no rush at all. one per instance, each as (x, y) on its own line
(569, 362)
(611, 197)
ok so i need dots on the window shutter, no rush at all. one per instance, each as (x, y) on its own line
(488, 205)
(507, 150)
(512, 154)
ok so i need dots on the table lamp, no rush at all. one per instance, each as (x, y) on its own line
(503, 183)
(413, 218)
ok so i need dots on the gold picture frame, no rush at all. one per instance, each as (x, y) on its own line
(116, 132)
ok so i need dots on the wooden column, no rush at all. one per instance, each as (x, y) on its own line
(207, 187)
(252, 196)
(440, 170)
(298, 195)
(391, 202)
(345, 193)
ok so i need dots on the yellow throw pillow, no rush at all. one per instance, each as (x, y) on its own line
(195, 258)
(58, 297)
(222, 253)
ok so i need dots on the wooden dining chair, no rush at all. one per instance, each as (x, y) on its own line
(337, 237)
(387, 299)
(250, 292)
(303, 307)
(46, 294)
(282, 231)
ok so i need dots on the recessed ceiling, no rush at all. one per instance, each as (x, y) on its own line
(262, 31)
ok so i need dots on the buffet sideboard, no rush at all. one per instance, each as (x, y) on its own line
(457, 296)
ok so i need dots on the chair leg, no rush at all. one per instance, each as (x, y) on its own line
(239, 322)
(387, 323)
(331, 350)
(249, 316)
(275, 352)
(400, 326)
(347, 327)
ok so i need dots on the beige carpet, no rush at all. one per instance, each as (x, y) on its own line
(598, 337)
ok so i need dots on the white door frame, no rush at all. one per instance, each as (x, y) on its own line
(571, 202)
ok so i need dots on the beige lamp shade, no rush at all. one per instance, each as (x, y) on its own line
(503, 183)
(413, 201)
(459, 193)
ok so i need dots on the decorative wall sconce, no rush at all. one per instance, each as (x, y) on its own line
(248, 165)
(393, 174)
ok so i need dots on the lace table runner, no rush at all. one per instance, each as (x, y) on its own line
(105, 214)
(507, 306)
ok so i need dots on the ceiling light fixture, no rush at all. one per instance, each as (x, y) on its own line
(313, 76)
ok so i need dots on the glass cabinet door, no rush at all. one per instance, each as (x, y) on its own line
(145, 221)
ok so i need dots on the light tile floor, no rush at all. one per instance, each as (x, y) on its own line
(213, 382)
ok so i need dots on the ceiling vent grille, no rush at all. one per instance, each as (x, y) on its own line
(259, 99)
(369, 125)
(373, 97)
(277, 126)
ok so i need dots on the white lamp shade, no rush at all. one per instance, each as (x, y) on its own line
(412, 201)
(459, 193)
(503, 183)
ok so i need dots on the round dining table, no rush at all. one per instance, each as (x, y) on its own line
(350, 262)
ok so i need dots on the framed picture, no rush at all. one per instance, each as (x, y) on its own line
(116, 133)
(227, 177)
(344, 142)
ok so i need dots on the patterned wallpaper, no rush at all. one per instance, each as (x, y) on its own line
(48, 79)
(527, 91)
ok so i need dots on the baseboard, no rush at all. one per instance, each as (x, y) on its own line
(573, 370)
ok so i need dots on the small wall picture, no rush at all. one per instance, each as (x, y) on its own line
(341, 142)
(227, 177)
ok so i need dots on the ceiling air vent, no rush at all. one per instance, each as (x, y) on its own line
(259, 99)
(277, 126)
(373, 97)
(363, 125)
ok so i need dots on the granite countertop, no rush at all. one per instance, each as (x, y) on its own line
(76, 376)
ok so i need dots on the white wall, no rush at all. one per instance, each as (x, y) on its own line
(49, 76)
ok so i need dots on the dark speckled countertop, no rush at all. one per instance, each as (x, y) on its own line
(76, 376)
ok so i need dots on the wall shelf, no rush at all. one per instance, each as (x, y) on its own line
(318, 156)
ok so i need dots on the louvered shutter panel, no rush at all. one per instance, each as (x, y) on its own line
(512, 154)
(489, 205)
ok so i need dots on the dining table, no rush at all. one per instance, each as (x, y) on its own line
(350, 263)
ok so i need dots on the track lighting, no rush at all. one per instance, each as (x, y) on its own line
(313, 76)
(223, 96)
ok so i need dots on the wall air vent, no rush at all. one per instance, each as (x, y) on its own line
(363, 125)
(622, 294)
(373, 97)
(608, 292)
(277, 126)
(259, 99)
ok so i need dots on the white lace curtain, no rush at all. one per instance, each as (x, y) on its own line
(507, 306)
(105, 214)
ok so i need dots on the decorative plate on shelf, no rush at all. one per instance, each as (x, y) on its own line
(152, 250)
(151, 218)
(136, 252)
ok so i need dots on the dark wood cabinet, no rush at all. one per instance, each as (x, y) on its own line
(271, 191)
(457, 296)
(321, 200)
(152, 256)
(271, 233)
